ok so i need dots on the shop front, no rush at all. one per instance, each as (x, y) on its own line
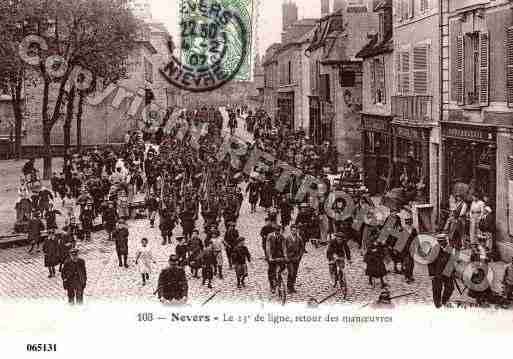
(469, 158)
(376, 152)
(411, 171)
(411, 158)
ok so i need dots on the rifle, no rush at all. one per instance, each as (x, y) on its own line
(458, 287)
(316, 302)
(210, 298)
(397, 296)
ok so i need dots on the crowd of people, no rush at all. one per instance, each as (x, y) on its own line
(171, 182)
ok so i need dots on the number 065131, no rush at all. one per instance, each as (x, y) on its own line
(41, 347)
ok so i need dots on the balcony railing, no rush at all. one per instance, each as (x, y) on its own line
(413, 108)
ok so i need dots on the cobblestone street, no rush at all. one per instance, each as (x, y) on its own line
(24, 276)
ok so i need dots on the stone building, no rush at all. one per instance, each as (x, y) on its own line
(415, 104)
(477, 107)
(292, 84)
(335, 94)
(120, 111)
(270, 66)
(378, 74)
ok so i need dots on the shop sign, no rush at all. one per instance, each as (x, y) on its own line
(357, 9)
(408, 132)
(374, 124)
(471, 133)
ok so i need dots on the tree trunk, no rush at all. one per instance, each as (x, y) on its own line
(18, 118)
(18, 121)
(69, 118)
(79, 120)
(47, 151)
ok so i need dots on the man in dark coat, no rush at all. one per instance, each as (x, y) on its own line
(240, 257)
(270, 224)
(109, 218)
(167, 223)
(51, 251)
(152, 206)
(231, 238)
(194, 248)
(253, 188)
(120, 236)
(286, 208)
(74, 277)
(66, 243)
(86, 218)
(295, 249)
(442, 275)
(187, 218)
(172, 284)
(407, 254)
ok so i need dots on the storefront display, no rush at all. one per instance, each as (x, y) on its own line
(411, 159)
(470, 159)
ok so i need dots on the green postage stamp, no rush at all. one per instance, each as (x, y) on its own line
(215, 44)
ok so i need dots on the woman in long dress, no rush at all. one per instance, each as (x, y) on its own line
(144, 260)
(476, 213)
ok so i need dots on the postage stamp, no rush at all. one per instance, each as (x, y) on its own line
(215, 44)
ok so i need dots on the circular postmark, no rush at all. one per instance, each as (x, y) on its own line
(214, 46)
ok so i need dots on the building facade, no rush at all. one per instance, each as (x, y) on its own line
(415, 105)
(335, 96)
(378, 74)
(270, 67)
(477, 109)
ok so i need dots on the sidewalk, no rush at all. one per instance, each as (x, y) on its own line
(10, 173)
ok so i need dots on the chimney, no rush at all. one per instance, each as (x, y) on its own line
(325, 7)
(338, 4)
(289, 13)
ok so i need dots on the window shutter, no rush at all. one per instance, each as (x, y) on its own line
(420, 69)
(398, 71)
(460, 70)
(312, 78)
(373, 80)
(424, 5)
(383, 84)
(484, 68)
(410, 8)
(405, 72)
(509, 66)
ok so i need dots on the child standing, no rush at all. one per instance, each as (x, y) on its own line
(374, 258)
(144, 259)
(194, 248)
